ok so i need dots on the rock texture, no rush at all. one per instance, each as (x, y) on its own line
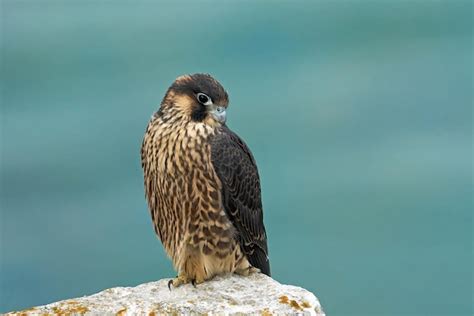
(228, 295)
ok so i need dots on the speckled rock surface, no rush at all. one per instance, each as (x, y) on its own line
(228, 295)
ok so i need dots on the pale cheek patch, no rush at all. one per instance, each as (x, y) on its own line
(184, 103)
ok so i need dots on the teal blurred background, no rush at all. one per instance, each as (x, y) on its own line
(358, 114)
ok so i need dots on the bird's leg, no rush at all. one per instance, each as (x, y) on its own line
(193, 273)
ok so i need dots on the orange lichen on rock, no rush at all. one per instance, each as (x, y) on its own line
(69, 308)
(283, 299)
(24, 312)
(295, 305)
(63, 309)
(121, 312)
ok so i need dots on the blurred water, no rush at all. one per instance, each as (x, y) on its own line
(358, 114)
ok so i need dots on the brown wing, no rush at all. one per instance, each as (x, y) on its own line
(236, 168)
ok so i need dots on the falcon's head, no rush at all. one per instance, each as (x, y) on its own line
(198, 98)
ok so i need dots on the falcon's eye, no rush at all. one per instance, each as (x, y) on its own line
(203, 98)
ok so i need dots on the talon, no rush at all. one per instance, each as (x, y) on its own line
(193, 282)
(178, 281)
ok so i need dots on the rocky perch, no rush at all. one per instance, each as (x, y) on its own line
(229, 295)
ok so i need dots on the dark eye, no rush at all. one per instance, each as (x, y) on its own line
(202, 98)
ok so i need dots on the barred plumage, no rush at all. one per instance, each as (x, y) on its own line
(202, 185)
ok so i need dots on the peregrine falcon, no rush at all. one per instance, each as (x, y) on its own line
(202, 185)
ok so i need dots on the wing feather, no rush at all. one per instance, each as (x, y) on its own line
(237, 170)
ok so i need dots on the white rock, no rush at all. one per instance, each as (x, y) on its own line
(228, 295)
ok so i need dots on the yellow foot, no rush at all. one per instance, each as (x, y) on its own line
(247, 271)
(182, 279)
(197, 281)
(179, 280)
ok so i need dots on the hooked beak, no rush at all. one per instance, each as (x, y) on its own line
(217, 112)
